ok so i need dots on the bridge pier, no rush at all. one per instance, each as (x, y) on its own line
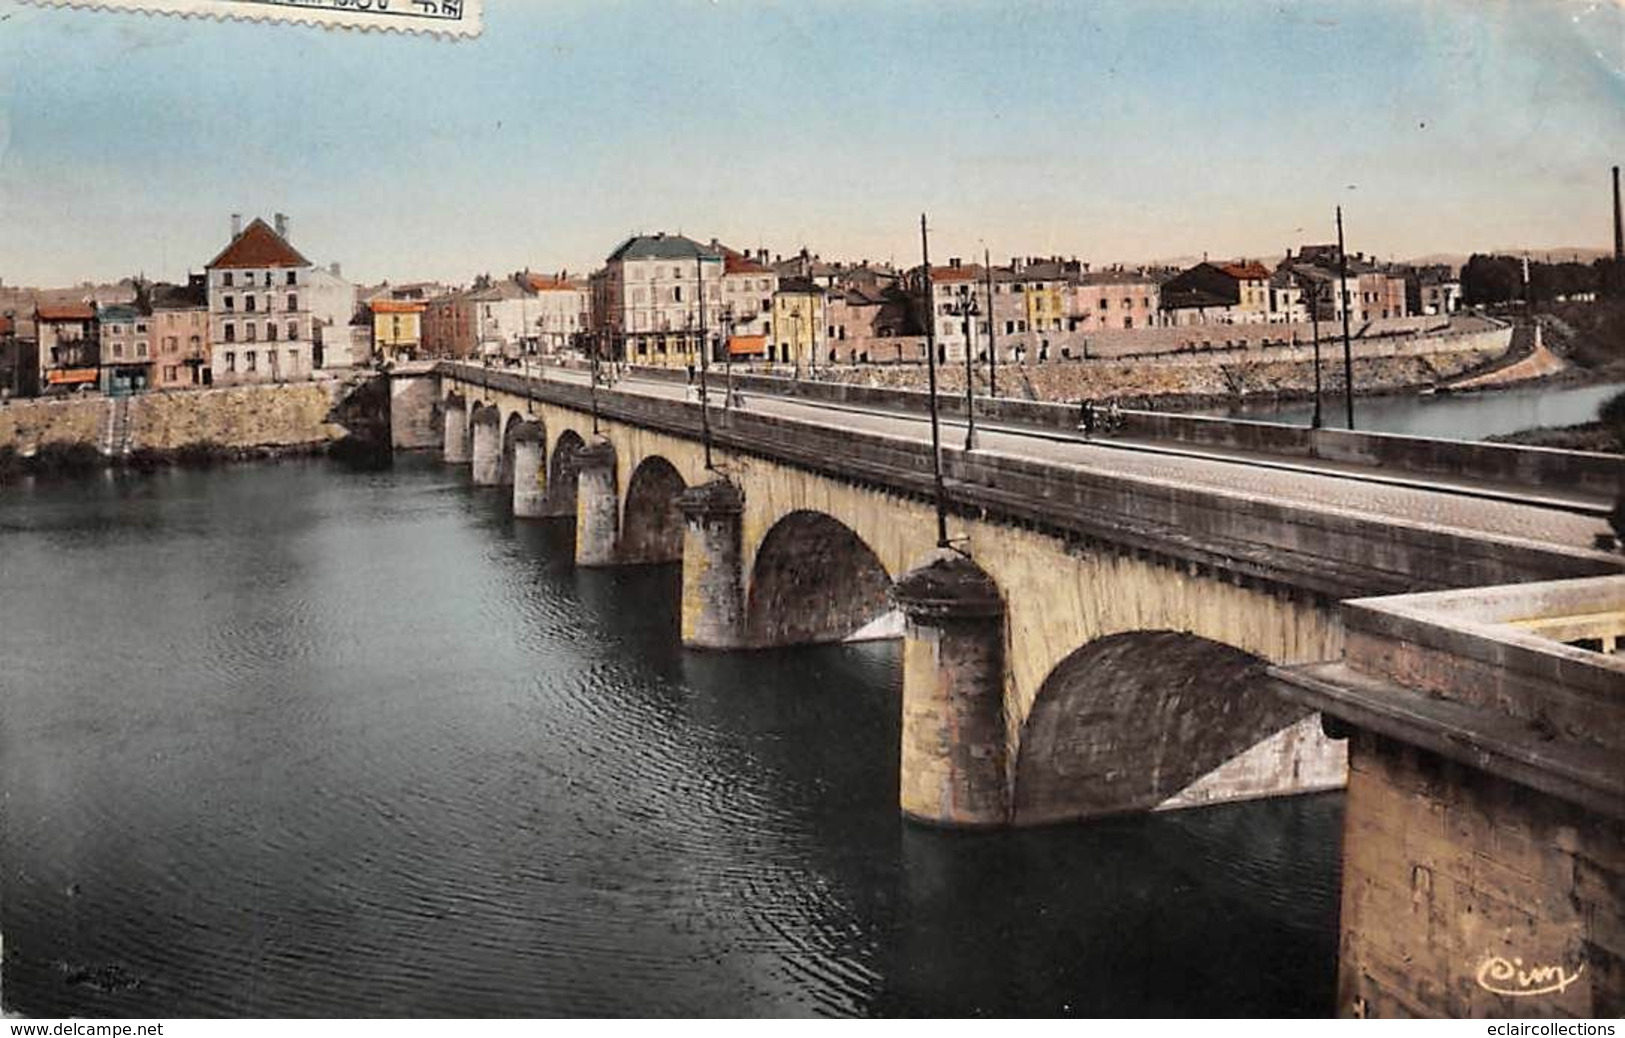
(529, 493)
(598, 505)
(454, 449)
(487, 451)
(713, 566)
(953, 754)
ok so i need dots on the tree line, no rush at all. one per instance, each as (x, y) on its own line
(1499, 279)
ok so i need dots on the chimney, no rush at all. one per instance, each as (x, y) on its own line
(281, 226)
(236, 226)
(1619, 223)
(333, 268)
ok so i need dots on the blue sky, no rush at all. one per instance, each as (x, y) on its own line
(1127, 130)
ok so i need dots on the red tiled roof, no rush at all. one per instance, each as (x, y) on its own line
(543, 283)
(65, 312)
(1247, 271)
(398, 306)
(939, 274)
(259, 246)
(739, 263)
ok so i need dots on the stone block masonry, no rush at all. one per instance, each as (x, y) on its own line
(287, 416)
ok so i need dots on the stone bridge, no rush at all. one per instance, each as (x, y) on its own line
(1096, 637)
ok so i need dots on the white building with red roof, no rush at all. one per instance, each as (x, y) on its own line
(259, 315)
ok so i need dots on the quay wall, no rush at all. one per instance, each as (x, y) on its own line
(285, 415)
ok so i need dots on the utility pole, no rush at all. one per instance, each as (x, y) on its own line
(931, 369)
(705, 406)
(597, 343)
(1314, 323)
(992, 347)
(1348, 352)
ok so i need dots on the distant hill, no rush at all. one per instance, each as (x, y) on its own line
(1556, 255)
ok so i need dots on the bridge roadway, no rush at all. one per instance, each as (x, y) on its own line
(1540, 516)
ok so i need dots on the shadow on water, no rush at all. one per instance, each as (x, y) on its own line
(423, 765)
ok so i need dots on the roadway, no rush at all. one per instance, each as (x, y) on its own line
(1539, 516)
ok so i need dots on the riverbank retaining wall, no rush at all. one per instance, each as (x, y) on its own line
(241, 417)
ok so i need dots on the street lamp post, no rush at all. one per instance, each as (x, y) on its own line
(992, 348)
(705, 406)
(728, 356)
(931, 369)
(967, 309)
(1314, 324)
(1348, 352)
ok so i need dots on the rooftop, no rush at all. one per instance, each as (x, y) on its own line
(258, 246)
(660, 246)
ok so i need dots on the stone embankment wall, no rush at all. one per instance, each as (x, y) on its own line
(1186, 382)
(242, 417)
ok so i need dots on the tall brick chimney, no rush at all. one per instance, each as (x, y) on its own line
(1619, 223)
(282, 226)
(236, 226)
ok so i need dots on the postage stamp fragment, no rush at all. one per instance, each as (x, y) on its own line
(449, 17)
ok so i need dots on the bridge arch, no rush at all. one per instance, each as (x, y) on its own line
(1142, 720)
(562, 469)
(509, 428)
(813, 580)
(651, 524)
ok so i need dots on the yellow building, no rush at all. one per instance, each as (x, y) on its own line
(799, 336)
(1046, 287)
(397, 328)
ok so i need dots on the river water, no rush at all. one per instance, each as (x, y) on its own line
(284, 739)
(1457, 416)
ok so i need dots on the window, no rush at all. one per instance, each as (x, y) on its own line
(252, 331)
(231, 361)
(293, 301)
(267, 279)
(140, 327)
(195, 342)
(293, 277)
(249, 364)
(231, 333)
(1103, 303)
(225, 279)
(169, 373)
(250, 303)
(140, 349)
(293, 359)
(171, 344)
(231, 303)
(1128, 322)
(118, 349)
(270, 332)
(293, 331)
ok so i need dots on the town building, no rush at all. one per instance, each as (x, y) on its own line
(332, 301)
(125, 364)
(799, 322)
(259, 322)
(1115, 299)
(646, 299)
(956, 289)
(397, 329)
(748, 284)
(449, 325)
(561, 312)
(69, 349)
(180, 334)
(1432, 290)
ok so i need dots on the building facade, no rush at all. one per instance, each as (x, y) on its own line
(647, 300)
(69, 347)
(259, 321)
(180, 334)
